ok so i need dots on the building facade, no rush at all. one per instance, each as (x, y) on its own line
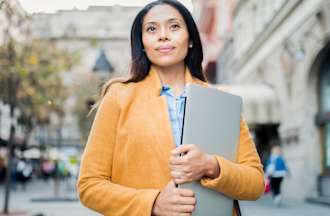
(100, 37)
(281, 50)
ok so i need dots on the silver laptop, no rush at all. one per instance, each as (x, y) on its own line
(212, 122)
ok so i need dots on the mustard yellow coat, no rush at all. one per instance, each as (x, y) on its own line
(125, 163)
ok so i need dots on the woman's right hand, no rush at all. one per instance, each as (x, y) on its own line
(174, 201)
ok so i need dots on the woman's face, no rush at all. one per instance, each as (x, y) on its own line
(165, 36)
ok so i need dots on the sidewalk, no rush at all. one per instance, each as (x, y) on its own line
(20, 201)
(265, 207)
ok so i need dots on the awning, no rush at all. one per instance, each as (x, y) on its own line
(33, 153)
(260, 102)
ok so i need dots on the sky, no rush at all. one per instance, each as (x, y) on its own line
(51, 6)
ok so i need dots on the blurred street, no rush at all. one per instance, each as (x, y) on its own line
(265, 206)
(21, 202)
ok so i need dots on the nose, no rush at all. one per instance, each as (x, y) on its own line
(163, 34)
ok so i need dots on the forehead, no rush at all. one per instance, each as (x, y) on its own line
(162, 13)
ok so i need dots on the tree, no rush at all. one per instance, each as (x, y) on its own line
(36, 70)
(30, 80)
(7, 60)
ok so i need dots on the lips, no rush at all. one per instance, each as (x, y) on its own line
(165, 49)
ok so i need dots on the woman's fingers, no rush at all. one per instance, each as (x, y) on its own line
(180, 177)
(177, 174)
(186, 192)
(184, 214)
(185, 204)
(186, 209)
(176, 160)
(175, 201)
(180, 181)
(182, 149)
(187, 201)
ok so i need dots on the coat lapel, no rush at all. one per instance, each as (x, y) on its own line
(158, 111)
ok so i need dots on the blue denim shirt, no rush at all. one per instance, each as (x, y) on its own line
(175, 110)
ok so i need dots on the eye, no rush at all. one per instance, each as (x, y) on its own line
(175, 26)
(151, 29)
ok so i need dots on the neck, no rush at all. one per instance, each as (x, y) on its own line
(173, 76)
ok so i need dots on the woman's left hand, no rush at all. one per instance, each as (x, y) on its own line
(192, 165)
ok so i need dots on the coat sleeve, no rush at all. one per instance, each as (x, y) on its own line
(96, 191)
(243, 179)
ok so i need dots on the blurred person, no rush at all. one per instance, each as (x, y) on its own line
(130, 165)
(73, 169)
(47, 169)
(13, 172)
(23, 172)
(276, 170)
(62, 170)
(2, 169)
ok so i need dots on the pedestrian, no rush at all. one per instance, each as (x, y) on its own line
(130, 165)
(47, 169)
(13, 172)
(2, 169)
(24, 172)
(276, 170)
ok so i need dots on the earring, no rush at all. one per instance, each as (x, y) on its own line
(190, 45)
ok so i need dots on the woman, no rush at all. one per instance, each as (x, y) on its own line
(276, 171)
(130, 164)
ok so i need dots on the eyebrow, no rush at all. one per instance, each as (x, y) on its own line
(169, 20)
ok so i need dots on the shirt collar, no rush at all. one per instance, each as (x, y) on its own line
(166, 89)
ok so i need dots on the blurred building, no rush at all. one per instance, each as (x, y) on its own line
(277, 58)
(16, 25)
(99, 37)
(89, 32)
(214, 19)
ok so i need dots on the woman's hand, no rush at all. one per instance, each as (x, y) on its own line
(192, 165)
(174, 201)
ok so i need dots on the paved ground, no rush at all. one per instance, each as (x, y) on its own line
(21, 202)
(265, 207)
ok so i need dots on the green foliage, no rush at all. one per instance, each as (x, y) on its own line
(94, 42)
(31, 80)
(1, 4)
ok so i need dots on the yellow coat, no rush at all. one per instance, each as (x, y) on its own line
(125, 162)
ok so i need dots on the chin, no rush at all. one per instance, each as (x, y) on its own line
(165, 62)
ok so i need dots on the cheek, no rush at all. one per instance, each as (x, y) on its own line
(149, 45)
(182, 41)
(146, 41)
(182, 46)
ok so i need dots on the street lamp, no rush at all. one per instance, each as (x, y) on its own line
(102, 66)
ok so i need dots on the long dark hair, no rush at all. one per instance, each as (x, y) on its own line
(140, 64)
